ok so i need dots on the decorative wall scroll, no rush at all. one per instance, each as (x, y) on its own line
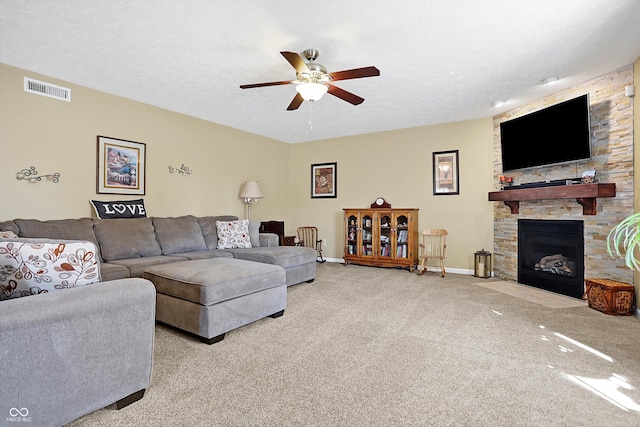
(31, 175)
(182, 170)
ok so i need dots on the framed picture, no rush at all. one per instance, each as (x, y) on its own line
(324, 180)
(446, 178)
(121, 166)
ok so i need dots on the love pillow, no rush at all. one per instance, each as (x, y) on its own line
(120, 209)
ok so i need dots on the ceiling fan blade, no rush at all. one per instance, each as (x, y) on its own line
(344, 95)
(296, 61)
(250, 86)
(356, 73)
(297, 101)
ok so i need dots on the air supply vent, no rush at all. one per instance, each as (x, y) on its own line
(47, 89)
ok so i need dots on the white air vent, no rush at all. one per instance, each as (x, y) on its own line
(47, 89)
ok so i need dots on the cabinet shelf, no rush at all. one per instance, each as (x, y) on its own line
(585, 194)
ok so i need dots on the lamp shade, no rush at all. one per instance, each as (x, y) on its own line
(312, 91)
(251, 190)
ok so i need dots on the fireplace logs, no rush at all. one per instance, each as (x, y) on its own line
(556, 264)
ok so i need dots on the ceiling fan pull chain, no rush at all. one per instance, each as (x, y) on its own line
(310, 116)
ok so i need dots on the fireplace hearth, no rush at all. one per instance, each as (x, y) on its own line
(551, 255)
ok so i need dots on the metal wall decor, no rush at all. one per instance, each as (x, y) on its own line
(31, 175)
(182, 170)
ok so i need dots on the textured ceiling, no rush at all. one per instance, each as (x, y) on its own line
(440, 61)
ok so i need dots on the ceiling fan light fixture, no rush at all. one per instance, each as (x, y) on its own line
(312, 91)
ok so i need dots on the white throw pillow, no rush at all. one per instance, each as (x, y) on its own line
(35, 266)
(233, 234)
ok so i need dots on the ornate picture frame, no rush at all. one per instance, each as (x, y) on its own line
(324, 180)
(121, 166)
(446, 177)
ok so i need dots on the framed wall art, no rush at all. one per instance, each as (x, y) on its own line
(121, 166)
(446, 179)
(324, 180)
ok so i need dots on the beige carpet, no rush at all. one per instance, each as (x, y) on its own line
(531, 294)
(364, 346)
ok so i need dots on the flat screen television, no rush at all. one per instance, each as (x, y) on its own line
(556, 134)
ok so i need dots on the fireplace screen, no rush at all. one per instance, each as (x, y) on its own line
(551, 255)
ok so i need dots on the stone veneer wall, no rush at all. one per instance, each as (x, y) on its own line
(612, 156)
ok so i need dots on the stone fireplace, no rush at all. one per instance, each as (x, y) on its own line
(551, 255)
(612, 157)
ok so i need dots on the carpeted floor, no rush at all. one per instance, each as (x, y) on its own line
(365, 346)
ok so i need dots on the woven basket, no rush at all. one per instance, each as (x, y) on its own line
(610, 297)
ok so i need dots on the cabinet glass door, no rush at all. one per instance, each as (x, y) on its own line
(353, 228)
(402, 233)
(367, 235)
(386, 235)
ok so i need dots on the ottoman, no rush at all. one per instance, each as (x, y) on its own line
(211, 297)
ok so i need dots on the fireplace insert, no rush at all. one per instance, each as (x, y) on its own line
(551, 255)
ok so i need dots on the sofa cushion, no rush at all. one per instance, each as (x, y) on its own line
(9, 226)
(284, 256)
(181, 234)
(126, 238)
(120, 209)
(110, 272)
(254, 234)
(137, 266)
(67, 229)
(233, 234)
(35, 266)
(208, 226)
(204, 254)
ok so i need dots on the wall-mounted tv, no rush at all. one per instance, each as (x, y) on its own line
(556, 134)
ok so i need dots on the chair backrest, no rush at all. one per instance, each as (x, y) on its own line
(308, 236)
(434, 243)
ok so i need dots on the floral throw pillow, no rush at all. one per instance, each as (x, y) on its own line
(233, 234)
(35, 266)
(8, 235)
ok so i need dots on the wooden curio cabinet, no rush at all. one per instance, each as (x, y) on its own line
(381, 237)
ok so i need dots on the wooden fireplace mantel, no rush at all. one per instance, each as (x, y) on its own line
(585, 194)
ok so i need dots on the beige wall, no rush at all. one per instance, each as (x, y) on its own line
(398, 166)
(58, 136)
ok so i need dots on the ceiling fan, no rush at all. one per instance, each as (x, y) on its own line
(312, 79)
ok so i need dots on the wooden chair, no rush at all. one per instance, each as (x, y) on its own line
(308, 236)
(434, 245)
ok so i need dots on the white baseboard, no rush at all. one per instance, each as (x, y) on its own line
(429, 268)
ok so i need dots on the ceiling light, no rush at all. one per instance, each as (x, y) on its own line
(495, 104)
(548, 80)
(312, 91)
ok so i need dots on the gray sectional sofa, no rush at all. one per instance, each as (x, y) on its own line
(129, 246)
(196, 291)
(65, 354)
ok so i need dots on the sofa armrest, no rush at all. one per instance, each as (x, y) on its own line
(68, 353)
(269, 240)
